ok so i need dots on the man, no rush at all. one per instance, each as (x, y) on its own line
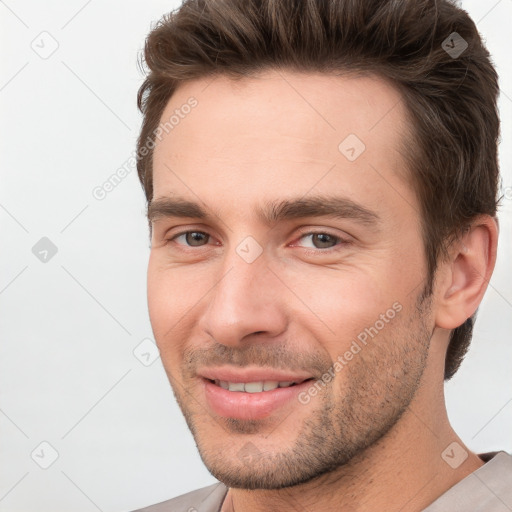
(321, 180)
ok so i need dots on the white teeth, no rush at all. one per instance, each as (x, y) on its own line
(236, 386)
(253, 387)
(269, 385)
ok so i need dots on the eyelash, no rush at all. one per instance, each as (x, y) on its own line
(341, 241)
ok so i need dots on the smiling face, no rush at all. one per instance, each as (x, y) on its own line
(287, 248)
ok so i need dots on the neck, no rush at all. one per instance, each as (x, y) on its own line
(405, 470)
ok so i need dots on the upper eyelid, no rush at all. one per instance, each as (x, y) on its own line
(342, 240)
(181, 233)
(305, 232)
(307, 227)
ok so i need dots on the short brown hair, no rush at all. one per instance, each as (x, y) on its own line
(450, 98)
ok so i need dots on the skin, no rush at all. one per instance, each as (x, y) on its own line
(373, 437)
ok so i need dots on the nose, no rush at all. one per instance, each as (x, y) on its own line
(246, 300)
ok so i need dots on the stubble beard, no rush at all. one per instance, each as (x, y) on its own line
(379, 384)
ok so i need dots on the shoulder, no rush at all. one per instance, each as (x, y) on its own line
(484, 490)
(206, 499)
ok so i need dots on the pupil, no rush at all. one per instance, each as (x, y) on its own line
(323, 239)
(195, 238)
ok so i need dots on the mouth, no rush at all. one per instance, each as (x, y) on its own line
(250, 399)
(257, 386)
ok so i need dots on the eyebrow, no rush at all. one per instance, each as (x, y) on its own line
(273, 211)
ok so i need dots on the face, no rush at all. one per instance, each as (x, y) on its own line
(286, 271)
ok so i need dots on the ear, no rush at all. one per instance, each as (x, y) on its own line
(463, 278)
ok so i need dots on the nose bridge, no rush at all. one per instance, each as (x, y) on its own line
(243, 301)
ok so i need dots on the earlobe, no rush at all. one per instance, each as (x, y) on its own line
(466, 274)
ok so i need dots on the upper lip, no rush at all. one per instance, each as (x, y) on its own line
(231, 374)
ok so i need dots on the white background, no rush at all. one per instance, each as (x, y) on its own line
(68, 375)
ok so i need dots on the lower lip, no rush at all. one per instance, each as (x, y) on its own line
(250, 406)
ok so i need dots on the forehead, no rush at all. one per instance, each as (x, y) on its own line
(282, 131)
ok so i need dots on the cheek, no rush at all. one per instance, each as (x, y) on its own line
(157, 299)
(165, 306)
(342, 299)
(339, 307)
(174, 298)
(169, 292)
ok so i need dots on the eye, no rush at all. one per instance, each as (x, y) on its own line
(321, 240)
(192, 238)
(314, 240)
